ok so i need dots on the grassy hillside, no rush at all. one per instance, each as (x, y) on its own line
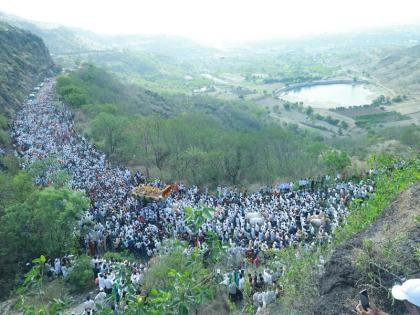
(24, 61)
(92, 85)
(401, 69)
(199, 139)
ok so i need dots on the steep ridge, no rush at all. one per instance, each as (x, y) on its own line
(400, 70)
(24, 62)
(342, 280)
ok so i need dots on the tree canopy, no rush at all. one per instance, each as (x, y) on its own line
(35, 221)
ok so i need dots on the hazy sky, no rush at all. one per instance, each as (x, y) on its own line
(218, 20)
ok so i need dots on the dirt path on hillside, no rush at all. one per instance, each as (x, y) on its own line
(340, 284)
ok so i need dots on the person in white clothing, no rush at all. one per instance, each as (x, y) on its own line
(57, 266)
(108, 285)
(101, 282)
(89, 305)
(100, 298)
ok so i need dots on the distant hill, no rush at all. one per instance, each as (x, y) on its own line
(57, 38)
(67, 40)
(411, 52)
(92, 86)
(156, 61)
(24, 62)
(400, 69)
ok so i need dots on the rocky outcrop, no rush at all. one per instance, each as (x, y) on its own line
(24, 62)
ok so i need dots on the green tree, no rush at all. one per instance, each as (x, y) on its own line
(344, 125)
(195, 161)
(35, 222)
(109, 131)
(195, 218)
(159, 130)
(175, 291)
(140, 132)
(234, 156)
(309, 111)
(81, 276)
(380, 100)
(335, 161)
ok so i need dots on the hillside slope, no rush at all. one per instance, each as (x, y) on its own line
(70, 40)
(24, 62)
(395, 233)
(400, 70)
(95, 85)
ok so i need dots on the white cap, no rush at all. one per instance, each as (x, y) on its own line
(409, 291)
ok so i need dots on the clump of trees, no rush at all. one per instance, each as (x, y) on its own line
(336, 161)
(199, 150)
(309, 111)
(386, 100)
(34, 221)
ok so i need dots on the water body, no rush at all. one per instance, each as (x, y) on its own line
(331, 96)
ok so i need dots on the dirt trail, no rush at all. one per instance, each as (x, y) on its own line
(340, 284)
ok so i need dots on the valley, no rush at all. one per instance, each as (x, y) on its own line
(157, 175)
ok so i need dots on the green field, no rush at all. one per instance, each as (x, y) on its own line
(380, 118)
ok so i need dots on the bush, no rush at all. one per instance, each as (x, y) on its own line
(3, 122)
(332, 121)
(343, 124)
(157, 274)
(380, 100)
(119, 256)
(81, 277)
(10, 163)
(75, 99)
(397, 99)
(4, 139)
(335, 161)
(309, 111)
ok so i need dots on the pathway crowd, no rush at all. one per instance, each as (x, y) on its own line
(119, 220)
(273, 217)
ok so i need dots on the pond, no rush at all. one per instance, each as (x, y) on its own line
(331, 96)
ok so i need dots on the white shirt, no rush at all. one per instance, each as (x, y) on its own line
(89, 305)
(101, 283)
(108, 283)
(100, 298)
(241, 284)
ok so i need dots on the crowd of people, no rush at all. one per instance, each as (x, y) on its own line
(272, 218)
(111, 281)
(118, 220)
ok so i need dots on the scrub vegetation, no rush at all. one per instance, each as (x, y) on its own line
(201, 141)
